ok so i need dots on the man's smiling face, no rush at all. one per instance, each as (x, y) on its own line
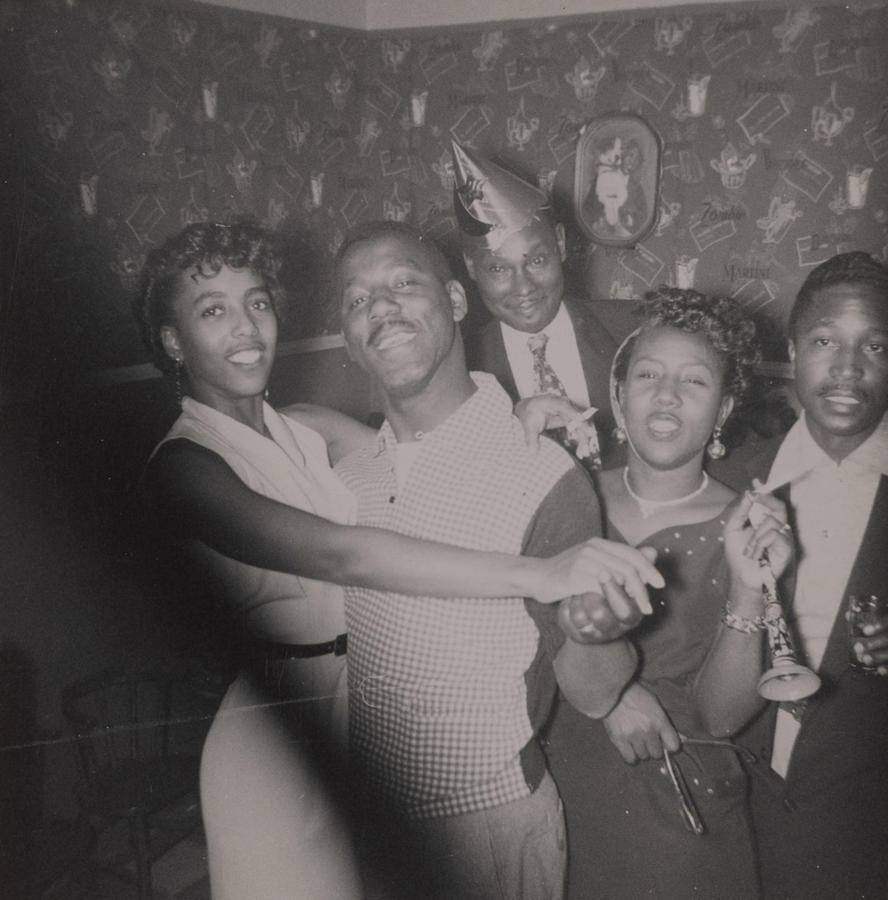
(398, 317)
(522, 281)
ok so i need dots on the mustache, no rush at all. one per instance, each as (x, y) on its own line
(851, 389)
(387, 323)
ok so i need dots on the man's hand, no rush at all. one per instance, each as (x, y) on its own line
(608, 609)
(543, 412)
(872, 650)
(639, 727)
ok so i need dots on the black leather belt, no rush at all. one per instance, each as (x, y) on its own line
(276, 651)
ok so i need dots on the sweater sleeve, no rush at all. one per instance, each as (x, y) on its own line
(590, 676)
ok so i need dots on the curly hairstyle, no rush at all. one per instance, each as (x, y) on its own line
(855, 267)
(206, 247)
(721, 319)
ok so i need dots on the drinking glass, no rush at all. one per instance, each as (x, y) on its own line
(862, 611)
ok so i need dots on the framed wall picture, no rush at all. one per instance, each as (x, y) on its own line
(617, 179)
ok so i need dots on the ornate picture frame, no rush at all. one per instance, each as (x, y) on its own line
(617, 179)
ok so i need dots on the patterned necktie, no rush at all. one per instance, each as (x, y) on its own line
(581, 437)
(547, 381)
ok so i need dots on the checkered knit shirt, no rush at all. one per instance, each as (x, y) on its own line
(447, 694)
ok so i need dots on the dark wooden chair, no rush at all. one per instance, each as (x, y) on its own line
(138, 737)
(41, 858)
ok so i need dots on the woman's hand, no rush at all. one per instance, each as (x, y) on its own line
(639, 727)
(757, 526)
(593, 565)
(606, 585)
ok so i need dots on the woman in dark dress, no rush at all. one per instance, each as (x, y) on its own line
(655, 797)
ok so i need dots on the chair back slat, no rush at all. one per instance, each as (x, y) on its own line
(134, 773)
(120, 717)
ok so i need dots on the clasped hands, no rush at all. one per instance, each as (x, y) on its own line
(603, 581)
(602, 588)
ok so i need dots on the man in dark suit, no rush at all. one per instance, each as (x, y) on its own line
(538, 340)
(514, 250)
(820, 783)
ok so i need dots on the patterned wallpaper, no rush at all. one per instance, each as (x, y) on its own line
(125, 119)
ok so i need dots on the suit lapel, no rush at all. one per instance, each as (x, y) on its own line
(596, 348)
(862, 580)
(496, 362)
(869, 574)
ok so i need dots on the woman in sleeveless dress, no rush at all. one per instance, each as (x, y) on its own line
(654, 794)
(252, 493)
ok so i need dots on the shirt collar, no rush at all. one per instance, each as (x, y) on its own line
(560, 328)
(479, 405)
(800, 453)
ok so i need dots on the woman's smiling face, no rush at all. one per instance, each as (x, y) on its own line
(225, 331)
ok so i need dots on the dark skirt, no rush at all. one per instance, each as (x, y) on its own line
(625, 831)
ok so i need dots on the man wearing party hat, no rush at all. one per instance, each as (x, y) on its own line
(539, 341)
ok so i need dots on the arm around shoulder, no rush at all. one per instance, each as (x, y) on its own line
(342, 433)
(199, 497)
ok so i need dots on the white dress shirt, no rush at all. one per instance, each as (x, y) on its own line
(832, 503)
(562, 354)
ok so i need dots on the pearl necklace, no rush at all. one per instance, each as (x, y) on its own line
(649, 507)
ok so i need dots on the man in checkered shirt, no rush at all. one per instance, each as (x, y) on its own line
(448, 695)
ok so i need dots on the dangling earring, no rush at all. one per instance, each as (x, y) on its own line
(619, 432)
(179, 382)
(265, 395)
(716, 449)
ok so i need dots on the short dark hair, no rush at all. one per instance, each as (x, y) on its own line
(206, 246)
(382, 228)
(855, 267)
(721, 319)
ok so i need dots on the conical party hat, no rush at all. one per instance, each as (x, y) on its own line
(491, 203)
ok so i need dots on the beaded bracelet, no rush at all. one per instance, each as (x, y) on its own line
(741, 623)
